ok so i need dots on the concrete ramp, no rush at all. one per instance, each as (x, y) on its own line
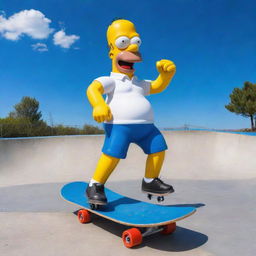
(215, 172)
(192, 155)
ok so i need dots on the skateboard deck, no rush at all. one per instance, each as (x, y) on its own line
(146, 218)
(125, 210)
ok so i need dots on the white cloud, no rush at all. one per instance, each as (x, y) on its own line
(40, 47)
(32, 23)
(65, 41)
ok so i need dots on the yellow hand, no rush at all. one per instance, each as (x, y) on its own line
(102, 113)
(166, 68)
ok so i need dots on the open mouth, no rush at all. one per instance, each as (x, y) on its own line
(125, 64)
(125, 61)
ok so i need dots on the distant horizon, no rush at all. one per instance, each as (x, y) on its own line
(53, 54)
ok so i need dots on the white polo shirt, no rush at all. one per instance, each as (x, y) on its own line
(126, 99)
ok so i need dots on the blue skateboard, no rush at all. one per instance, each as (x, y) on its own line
(144, 218)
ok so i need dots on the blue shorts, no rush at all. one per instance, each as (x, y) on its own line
(119, 136)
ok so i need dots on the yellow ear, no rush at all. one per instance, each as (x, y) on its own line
(111, 54)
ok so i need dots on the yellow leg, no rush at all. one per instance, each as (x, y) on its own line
(154, 164)
(104, 168)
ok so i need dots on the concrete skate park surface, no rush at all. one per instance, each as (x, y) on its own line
(214, 172)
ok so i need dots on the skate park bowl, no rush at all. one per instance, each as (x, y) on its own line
(213, 171)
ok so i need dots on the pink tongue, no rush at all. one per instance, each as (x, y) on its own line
(126, 67)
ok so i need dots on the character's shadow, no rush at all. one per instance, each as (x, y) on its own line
(181, 240)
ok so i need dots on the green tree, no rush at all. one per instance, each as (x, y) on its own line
(243, 102)
(28, 108)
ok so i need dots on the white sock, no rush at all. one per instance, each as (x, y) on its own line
(147, 180)
(92, 181)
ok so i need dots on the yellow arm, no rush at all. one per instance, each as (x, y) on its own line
(101, 111)
(166, 69)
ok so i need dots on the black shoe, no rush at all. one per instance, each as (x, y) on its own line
(156, 186)
(96, 194)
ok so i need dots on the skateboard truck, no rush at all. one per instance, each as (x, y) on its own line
(159, 198)
(152, 230)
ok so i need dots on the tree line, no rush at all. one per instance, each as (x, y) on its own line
(26, 121)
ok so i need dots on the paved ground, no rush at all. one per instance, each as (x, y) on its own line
(213, 171)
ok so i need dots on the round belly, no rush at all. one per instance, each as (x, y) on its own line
(131, 109)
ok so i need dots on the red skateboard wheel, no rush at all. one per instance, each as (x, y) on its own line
(84, 216)
(169, 229)
(132, 237)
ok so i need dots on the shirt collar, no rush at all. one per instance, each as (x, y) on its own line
(121, 76)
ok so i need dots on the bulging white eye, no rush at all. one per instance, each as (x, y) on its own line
(122, 42)
(136, 40)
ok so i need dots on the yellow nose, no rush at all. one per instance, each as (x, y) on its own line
(132, 48)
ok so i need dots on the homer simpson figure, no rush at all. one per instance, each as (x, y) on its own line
(126, 113)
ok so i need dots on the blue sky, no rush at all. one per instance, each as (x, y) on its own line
(213, 44)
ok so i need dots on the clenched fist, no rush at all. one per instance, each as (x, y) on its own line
(102, 113)
(166, 68)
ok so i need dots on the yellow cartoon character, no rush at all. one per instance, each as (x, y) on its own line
(126, 113)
